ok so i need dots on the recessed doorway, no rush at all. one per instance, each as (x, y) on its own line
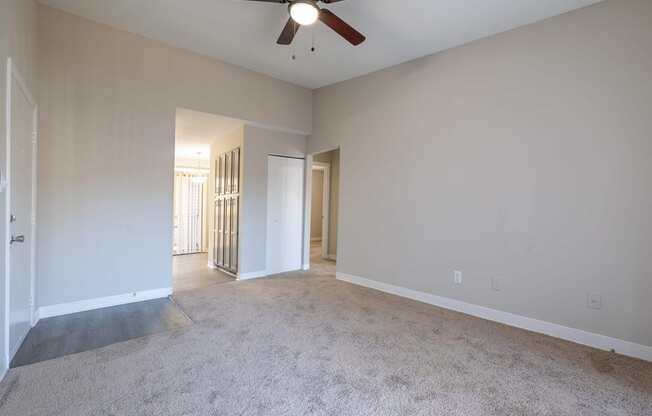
(320, 207)
(324, 202)
(198, 145)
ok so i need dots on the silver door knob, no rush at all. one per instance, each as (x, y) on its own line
(17, 239)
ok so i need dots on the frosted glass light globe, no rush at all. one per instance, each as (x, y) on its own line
(304, 13)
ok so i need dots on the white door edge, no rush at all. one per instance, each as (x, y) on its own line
(14, 75)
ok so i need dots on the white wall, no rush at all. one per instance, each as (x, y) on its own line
(18, 40)
(258, 144)
(108, 104)
(526, 156)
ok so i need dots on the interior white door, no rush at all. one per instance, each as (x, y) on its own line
(284, 214)
(21, 197)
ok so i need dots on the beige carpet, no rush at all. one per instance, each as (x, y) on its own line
(306, 344)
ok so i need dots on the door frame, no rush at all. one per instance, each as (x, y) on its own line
(325, 202)
(14, 75)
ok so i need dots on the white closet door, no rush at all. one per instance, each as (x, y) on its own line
(284, 214)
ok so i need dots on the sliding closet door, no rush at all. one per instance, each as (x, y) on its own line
(284, 214)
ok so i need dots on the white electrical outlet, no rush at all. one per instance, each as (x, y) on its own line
(594, 301)
(495, 284)
(457, 277)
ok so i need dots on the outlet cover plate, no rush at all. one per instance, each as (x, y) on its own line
(495, 284)
(594, 301)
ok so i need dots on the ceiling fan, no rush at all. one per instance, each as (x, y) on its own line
(306, 12)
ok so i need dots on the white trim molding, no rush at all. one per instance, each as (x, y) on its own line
(105, 302)
(252, 275)
(36, 317)
(305, 267)
(578, 336)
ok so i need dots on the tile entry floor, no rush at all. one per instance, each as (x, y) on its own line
(191, 271)
(83, 331)
(69, 334)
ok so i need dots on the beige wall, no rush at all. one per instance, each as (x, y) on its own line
(525, 157)
(18, 40)
(108, 102)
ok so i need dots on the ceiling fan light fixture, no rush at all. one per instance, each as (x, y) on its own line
(304, 12)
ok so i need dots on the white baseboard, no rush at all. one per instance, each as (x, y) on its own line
(105, 302)
(305, 267)
(252, 275)
(13, 350)
(578, 336)
(36, 317)
(211, 265)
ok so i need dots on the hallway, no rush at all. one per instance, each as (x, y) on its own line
(191, 271)
(319, 264)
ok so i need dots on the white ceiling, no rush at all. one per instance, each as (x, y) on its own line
(244, 32)
(195, 131)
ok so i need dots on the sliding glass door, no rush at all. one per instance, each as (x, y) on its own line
(188, 213)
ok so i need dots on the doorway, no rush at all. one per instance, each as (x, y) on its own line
(204, 181)
(320, 207)
(21, 212)
(324, 202)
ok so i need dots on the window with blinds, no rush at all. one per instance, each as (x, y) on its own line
(188, 214)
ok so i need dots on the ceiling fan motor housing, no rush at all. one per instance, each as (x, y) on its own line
(306, 12)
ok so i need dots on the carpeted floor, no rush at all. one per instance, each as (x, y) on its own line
(304, 343)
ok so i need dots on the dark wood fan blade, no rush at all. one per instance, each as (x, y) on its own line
(287, 35)
(330, 1)
(341, 27)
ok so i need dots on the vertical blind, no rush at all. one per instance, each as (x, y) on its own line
(188, 214)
